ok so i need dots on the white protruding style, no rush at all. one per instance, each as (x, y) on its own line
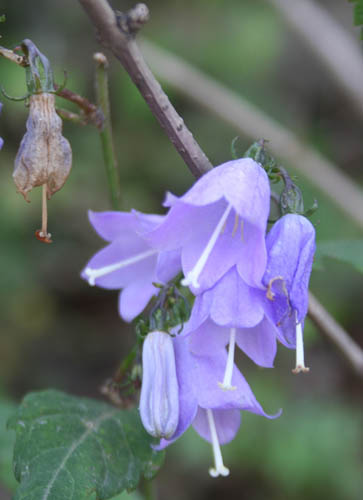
(226, 385)
(300, 363)
(192, 277)
(219, 469)
(93, 274)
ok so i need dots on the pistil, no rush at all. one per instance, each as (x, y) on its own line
(300, 364)
(226, 385)
(93, 274)
(43, 234)
(193, 275)
(219, 469)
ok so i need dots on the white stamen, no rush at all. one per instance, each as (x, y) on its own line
(300, 363)
(93, 274)
(219, 468)
(226, 385)
(235, 227)
(193, 275)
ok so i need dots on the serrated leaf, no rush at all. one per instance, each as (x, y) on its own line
(77, 448)
(348, 251)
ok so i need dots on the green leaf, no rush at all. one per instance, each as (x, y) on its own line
(358, 14)
(76, 448)
(7, 441)
(349, 251)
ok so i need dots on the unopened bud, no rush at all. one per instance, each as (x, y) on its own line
(159, 400)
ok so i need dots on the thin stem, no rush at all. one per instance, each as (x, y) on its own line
(351, 351)
(125, 364)
(148, 489)
(123, 45)
(108, 149)
(13, 57)
(44, 211)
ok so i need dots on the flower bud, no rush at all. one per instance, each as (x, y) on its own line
(44, 156)
(159, 401)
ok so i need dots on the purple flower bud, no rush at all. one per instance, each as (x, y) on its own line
(159, 401)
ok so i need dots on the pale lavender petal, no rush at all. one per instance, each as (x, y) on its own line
(185, 222)
(119, 253)
(243, 183)
(233, 303)
(208, 372)
(146, 222)
(259, 342)
(134, 298)
(227, 423)
(225, 253)
(187, 389)
(208, 339)
(252, 260)
(168, 265)
(291, 246)
(112, 225)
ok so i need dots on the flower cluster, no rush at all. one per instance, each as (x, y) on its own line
(250, 290)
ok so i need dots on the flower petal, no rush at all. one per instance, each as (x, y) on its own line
(227, 423)
(134, 298)
(233, 303)
(208, 372)
(121, 262)
(259, 342)
(291, 246)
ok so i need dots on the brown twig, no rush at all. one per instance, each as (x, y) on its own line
(118, 36)
(14, 57)
(90, 112)
(229, 107)
(336, 334)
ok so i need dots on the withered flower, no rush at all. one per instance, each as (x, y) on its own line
(45, 156)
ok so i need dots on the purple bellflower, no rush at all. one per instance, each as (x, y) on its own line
(213, 412)
(232, 313)
(128, 262)
(1, 139)
(220, 222)
(291, 246)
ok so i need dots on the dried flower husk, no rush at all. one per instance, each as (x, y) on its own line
(44, 156)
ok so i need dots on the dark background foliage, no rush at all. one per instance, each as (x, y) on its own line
(58, 332)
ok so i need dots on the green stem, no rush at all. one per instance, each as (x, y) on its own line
(108, 149)
(125, 364)
(148, 489)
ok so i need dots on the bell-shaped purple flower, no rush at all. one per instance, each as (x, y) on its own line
(232, 312)
(159, 399)
(291, 246)
(219, 223)
(202, 403)
(129, 262)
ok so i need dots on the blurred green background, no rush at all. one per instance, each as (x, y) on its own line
(56, 331)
